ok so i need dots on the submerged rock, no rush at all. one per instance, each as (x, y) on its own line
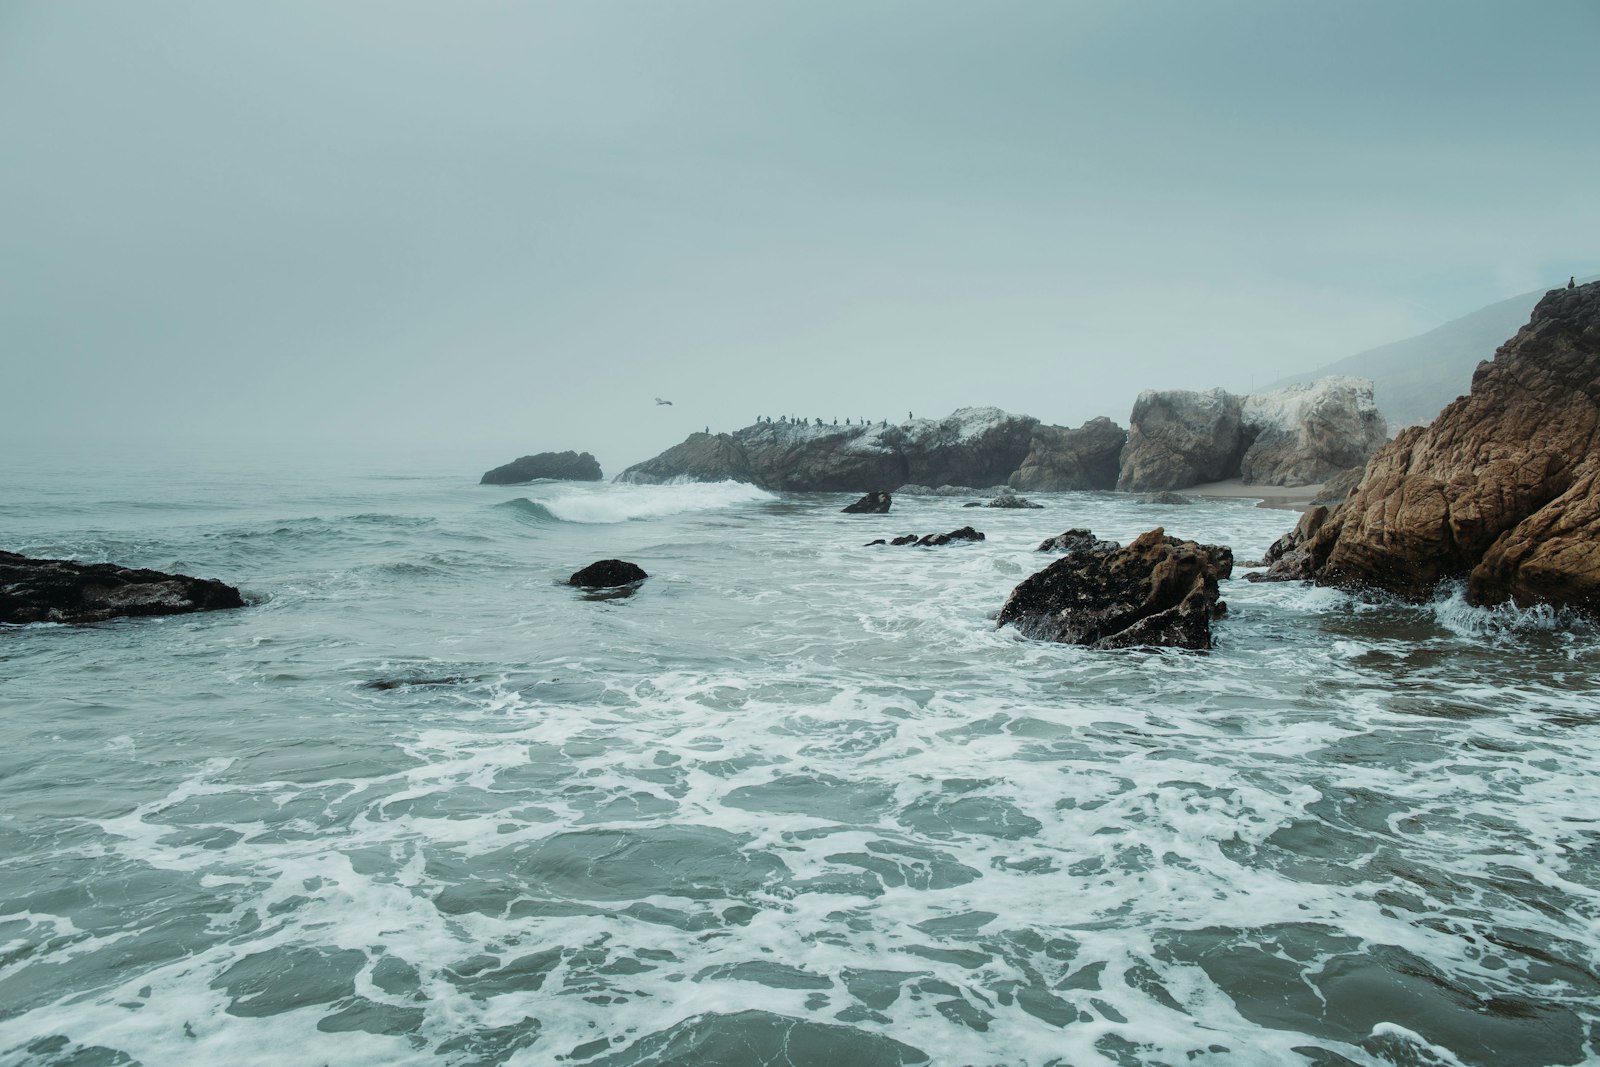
(608, 573)
(1503, 489)
(1075, 541)
(966, 533)
(874, 503)
(1157, 591)
(1005, 500)
(61, 590)
(564, 466)
(1168, 498)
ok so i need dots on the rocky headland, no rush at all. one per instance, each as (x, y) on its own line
(972, 446)
(1502, 489)
(561, 466)
(64, 590)
(1294, 436)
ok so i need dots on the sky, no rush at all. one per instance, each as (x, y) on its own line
(493, 228)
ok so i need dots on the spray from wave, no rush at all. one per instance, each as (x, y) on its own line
(1452, 610)
(619, 502)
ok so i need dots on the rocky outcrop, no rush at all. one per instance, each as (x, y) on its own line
(61, 590)
(1060, 460)
(966, 533)
(1294, 436)
(1291, 556)
(1179, 438)
(563, 466)
(1503, 489)
(874, 503)
(973, 446)
(608, 574)
(1157, 591)
(1307, 433)
(701, 457)
(1166, 499)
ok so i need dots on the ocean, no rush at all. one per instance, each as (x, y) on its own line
(794, 801)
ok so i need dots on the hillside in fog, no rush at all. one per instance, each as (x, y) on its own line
(1414, 378)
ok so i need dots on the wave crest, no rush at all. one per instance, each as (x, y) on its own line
(620, 502)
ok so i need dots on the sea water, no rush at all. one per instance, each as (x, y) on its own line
(793, 801)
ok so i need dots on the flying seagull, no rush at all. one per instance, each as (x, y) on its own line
(666, 402)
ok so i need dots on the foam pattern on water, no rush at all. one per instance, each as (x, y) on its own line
(794, 801)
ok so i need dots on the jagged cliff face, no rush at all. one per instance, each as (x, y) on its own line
(1294, 436)
(1503, 489)
(972, 446)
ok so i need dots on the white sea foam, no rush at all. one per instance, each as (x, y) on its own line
(788, 761)
(623, 503)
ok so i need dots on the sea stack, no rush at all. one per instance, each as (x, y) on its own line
(560, 466)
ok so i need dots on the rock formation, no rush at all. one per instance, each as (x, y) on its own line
(1293, 436)
(607, 574)
(1335, 489)
(1307, 433)
(61, 590)
(973, 446)
(1179, 438)
(564, 466)
(1060, 459)
(966, 533)
(874, 503)
(1075, 541)
(1155, 592)
(1503, 489)
(1005, 498)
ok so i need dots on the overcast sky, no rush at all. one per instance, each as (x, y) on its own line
(501, 228)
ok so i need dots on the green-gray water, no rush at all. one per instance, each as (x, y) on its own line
(794, 802)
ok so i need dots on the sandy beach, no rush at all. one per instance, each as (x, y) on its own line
(1287, 497)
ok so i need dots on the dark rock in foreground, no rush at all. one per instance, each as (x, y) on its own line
(607, 574)
(1293, 556)
(564, 466)
(875, 503)
(1503, 489)
(1156, 592)
(966, 533)
(60, 590)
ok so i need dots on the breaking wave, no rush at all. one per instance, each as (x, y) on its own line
(624, 503)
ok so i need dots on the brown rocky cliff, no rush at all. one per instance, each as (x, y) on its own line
(1503, 489)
